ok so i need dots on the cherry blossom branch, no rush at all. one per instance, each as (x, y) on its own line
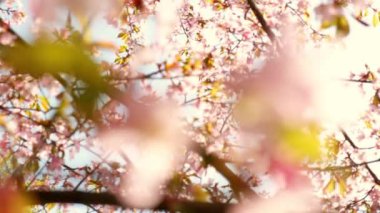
(106, 198)
(360, 200)
(185, 102)
(351, 142)
(294, 11)
(19, 39)
(238, 186)
(262, 21)
(373, 175)
(348, 139)
(334, 168)
(91, 172)
(8, 11)
(359, 81)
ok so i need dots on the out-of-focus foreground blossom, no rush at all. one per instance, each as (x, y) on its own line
(302, 87)
(154, 144)
(12, 201)
(285, 101)
(300, 200)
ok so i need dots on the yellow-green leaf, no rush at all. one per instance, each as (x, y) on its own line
(376, 99)
(28, 113)
(94, 183)
(209, 127)
(330, 187)
(49, 206)
(52, 58)
(33, 166)
(56, 58)
(342, 187)
(363, 13)
(136, 29)
(368, 123)
(333, 146)
(301, 143)
(342, 26)
(375, 19)
(119, 60)
(327, 24)
(44, 103)
(123, 48)
(62, 109)
(209, 61)
(215, 89)
(39, 183)
(199, 193)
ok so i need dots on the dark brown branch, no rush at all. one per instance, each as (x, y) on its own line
(373, 175)
(348, 207)
(348, 139)
(6, 26)
(105, 198)
(261, 20)
(351, 142)
(238, 186)
(294, 11)
(358, 81)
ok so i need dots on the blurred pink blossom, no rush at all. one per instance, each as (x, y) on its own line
(153, 142)
(301, 86)
(284, 202)
(328, 11)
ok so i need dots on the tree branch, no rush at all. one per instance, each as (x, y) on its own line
(334, 168)
(351, 142)
(238, 186)
(106, 198)
(261, 20)
(6, 26)
(372, 173)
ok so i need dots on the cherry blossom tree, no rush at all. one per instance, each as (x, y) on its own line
(190, 106)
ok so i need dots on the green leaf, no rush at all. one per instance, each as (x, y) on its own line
(375, 19)
(64, 105)
(86, 102)
(55, 58)
(44, 103)
(123, 48)
(332, 146)
(199, 193)
(14, 162)
(342, 26)
(342, 187)
(327, 24)
(363, 13)
(301, 143)
(52, 58)
(376, 99)
(330, 187)
(124, 36)
(33, 166)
